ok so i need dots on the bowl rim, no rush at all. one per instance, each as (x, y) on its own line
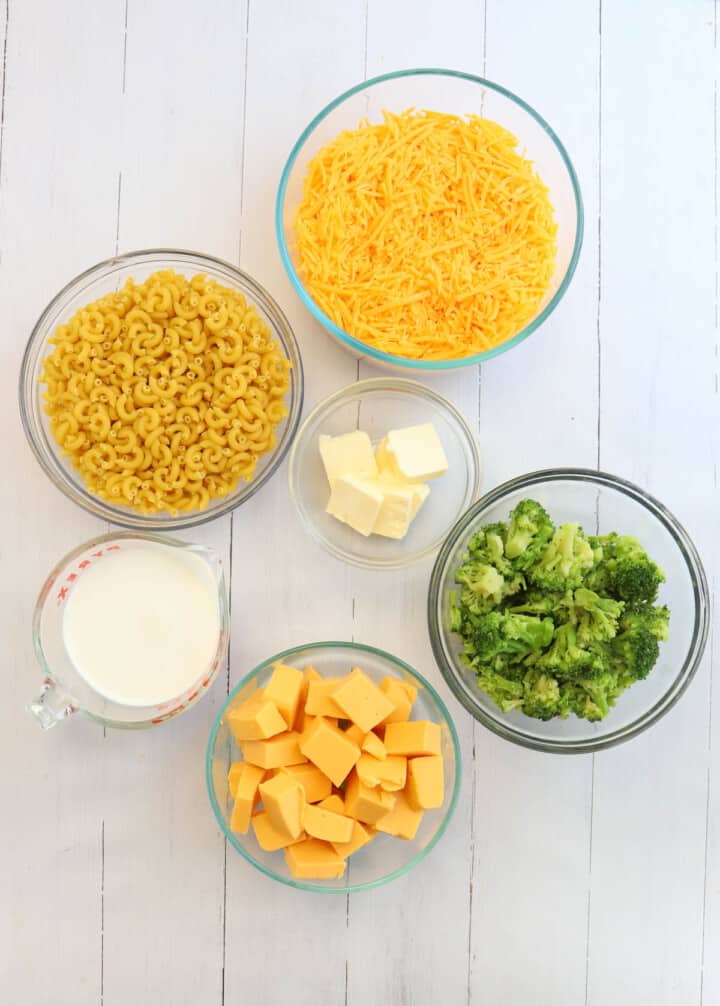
(701, 596)
(371, 385)
(410, 363)
(75, 490)
(348, 888)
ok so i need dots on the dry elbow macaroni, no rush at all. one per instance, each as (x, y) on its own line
(165, 394)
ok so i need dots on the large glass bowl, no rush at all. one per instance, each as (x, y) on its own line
(456, 93)
(386, 857)
(111, 275)
(600, 503)
(376, 406)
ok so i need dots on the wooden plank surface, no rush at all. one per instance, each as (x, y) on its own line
(561, 881)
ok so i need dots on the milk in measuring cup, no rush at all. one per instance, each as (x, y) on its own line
(142, 625)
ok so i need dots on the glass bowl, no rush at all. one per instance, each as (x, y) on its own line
(386, 857)
(376, 406)
(111, 275)
(451, 92)
(600, 503)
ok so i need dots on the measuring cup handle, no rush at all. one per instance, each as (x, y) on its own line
(51, 705)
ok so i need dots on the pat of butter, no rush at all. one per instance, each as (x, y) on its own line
(347, 454)
(355, 501)
(396, 510)
(414, 452)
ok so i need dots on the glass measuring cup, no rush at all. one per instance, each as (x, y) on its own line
(64, 691)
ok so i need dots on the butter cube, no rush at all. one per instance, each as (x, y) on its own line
(389, 774)
(255, 719)
(275, 752)
(284, 689)
(268, 836)
(316, 784)
(362, 701)
(309, 674)
(416, 452)
(425, 785)
(402, 694)
(372, 744)
(395, 514)
(361, 835)
(366, 804)
(355, 501)
(246, 795)
(333, 803)
(284, 800)
(319, 822)
(420, 494)
(329, 749)
(347, 454)
(417, 737)
(314, 860)
(319, 701)
(402, 821)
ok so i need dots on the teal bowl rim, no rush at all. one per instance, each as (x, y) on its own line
(404, 361)
(362, 648)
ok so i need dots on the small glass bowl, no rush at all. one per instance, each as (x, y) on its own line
(386, 857)
(455, 93)
(111, 275)
(601, 503)
(376, 406)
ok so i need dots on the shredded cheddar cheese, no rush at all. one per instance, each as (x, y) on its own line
(427, 235)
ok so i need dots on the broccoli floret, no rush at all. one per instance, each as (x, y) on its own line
(565, 561)
(499, 633)
(635, 651)
(625, 570)
(655, 618)
(488, 545)
(529, 531)
(542, 695)
(505, 693)
(482, 579)
(568, 661)
(536, 602)
(597, 617)
(601, 693)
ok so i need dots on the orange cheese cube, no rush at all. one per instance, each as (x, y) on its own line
(402, 695)
(246, 796)
(309, 674)
(268, 837)
(417, 737)
(319, 701)
(333, 803)
(284, 689)
(402, 821)
(284, 800)
(329, 749)
(316, 784)
(361, 835)
(425, 786)
(355, 734)
(326, 824)
(314, 860)
(366, 804)
(372, 744)
(389, 774)
(255, 719)
(275, 752)
(234, 775)
(362, 701)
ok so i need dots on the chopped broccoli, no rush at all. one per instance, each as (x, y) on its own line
(529, 531)
(636, 651)
(500, 633)
(569, 661)
(505, 693)
(565, 560)
(597, 617)
(542, 695)
(625, 570)
(655, 618)
(482, 579)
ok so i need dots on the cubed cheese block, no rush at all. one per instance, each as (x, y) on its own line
(326, 824)
(309, 674)
(416, 737)
(366, 804)
(255, 719)
(313, 859)
(334, 802)
(416, 452)
(246, 796)
(234, 775)
(329, 749)
(284, 800)
(402, 821)
(361, 835)
(355, 734)
(268, 836)
(316, 784)
(347, 454)
(425, 789)
(275, 752)
(372, 744)
(402, 695)
(319, 701)
(362, 701)
(356, 502)
(389, 774)
(284, 689)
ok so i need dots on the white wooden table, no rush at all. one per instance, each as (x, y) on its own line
(561, 881)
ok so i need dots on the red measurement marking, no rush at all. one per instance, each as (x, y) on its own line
(194, 695)
(112, 548)
(71, 578)
(62, 594)
(98, 555)
(206, 682)
(84, 564)
(215, 665)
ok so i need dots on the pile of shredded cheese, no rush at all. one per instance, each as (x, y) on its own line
(427, 235)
